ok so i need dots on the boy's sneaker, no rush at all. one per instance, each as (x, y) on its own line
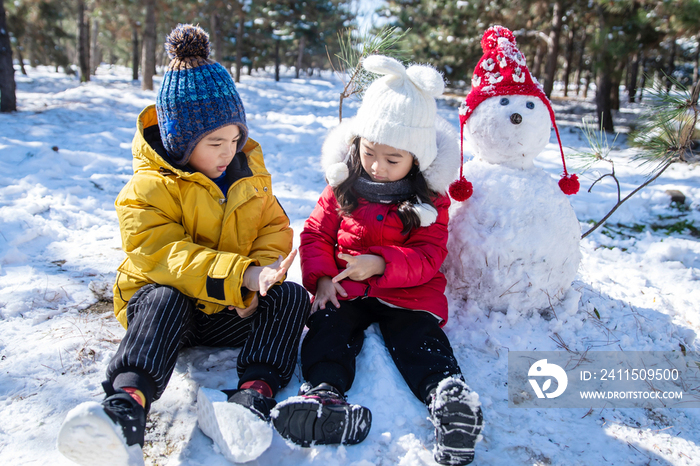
(110, 433)
(320, 415)
(237, 421)
(456, 414)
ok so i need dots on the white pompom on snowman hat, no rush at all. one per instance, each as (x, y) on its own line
(398, 110)
(503, 71)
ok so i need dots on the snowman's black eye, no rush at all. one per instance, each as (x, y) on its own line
(530, 105)
(505, 101)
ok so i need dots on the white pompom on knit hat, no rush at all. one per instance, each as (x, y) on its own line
(398, 110)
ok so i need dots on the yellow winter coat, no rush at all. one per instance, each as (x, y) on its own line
(177, 228)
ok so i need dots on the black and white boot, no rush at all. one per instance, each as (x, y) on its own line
(321, 416)
(456, 414)
(110, 433)
(237, 421)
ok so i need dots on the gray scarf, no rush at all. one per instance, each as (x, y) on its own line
(392, 192)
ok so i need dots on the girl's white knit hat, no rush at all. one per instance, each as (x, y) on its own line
(398, 109)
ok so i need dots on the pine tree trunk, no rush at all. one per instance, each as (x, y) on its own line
(539, 57)
(239, 45)
(8, 98)
(587, 84)
(603, 99)
(95, 56)
(300, 55)
(569, 60)
(83, 43)
(696, 62)
(162, 58)
(20, 58)
(134, 52)
(644, 78)
(671, 65)
(604, 82)
(581, 60)
(633, 73)
(215, 38)
(277, 59)
(553, 55)
(112, 55)
(615, 81)
(149, 46)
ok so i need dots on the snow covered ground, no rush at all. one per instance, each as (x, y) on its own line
(66, 154)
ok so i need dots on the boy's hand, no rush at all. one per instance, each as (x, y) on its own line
(326, 291)
(249, 311)
(257, 278)
(361, 267)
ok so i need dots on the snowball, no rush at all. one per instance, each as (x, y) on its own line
(240, 434)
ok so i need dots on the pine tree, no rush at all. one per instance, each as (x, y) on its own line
(83, 42)
(622, 28)
(8, 99)
(17, 25)
(40, 28)
(149, 46)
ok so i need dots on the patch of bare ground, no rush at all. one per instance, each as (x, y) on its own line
(100, 307)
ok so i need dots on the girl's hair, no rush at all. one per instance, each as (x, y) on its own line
(347, 200)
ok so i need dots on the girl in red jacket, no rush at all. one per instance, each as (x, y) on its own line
(371, 252)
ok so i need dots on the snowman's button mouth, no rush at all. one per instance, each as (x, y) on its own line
(516, 118)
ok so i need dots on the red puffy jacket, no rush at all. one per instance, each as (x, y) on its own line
(411, 280)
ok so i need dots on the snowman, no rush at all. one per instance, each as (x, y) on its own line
(514, 240)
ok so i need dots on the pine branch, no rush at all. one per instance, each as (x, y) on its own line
(668, 125)
(664, 138)
(352, 52)
(598, 142)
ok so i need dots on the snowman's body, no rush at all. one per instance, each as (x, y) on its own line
(514, 245)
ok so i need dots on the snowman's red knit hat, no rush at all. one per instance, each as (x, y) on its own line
(503, 71)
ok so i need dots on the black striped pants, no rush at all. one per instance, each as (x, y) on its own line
(162, 321)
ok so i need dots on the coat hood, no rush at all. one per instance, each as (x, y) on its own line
(148, 157)
(439, 174)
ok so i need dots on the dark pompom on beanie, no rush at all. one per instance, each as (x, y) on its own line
(197, 96)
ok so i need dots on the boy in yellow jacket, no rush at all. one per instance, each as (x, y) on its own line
(207, 247)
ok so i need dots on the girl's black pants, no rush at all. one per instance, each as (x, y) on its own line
(417, 344)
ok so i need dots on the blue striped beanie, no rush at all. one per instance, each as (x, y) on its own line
(197, 95)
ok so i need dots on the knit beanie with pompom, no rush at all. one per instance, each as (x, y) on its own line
(197, 95)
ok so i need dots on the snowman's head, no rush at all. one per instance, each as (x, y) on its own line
(506, 117)
(509, 130)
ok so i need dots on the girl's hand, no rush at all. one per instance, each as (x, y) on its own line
(249, 311)
(326, 291)
(360, 267)
(257, 278)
